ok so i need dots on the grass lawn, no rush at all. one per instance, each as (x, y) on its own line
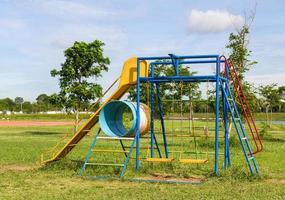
(21, 176)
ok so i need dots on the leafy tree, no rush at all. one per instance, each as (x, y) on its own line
(83, 61)
(169, 91)
(43, 102)
(7, 104)
(19, 101)
(240, 57)
(27, 107)
(271, 96)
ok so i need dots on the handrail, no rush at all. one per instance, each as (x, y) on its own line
(243, 102)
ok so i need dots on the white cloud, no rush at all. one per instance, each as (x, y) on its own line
(212, 21)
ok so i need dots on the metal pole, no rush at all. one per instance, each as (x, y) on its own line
(152, 113)
(138, 118)
(162, 120)
(217, 116)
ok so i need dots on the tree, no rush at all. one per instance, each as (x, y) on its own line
(240, 57)
(169, 91)
(43, 102)
(83, 61)
(271, 100)
(27, 107)
(7, 104)
(19, 101)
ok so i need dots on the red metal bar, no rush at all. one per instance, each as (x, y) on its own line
(244, 103)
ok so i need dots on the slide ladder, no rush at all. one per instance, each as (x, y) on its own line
(247, 111)
(127, 79)
(253, 167)
(93, 150)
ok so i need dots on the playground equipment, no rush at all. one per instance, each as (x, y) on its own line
(141, 70)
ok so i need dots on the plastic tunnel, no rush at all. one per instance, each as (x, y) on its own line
(112, 121)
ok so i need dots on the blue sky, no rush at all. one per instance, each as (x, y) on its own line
(35, 33)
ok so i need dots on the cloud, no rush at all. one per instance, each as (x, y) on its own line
(212, 21)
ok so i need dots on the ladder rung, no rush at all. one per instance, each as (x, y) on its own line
(251, 158)
(72, 145)
(244, 138)
(105, 164)
(116, 138)
(230, 99)
(109, 151)
(237, 119)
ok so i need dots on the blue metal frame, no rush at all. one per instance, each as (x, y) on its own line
(221, 83)
(175, 61)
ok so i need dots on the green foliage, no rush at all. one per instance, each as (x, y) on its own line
(169, 91)
(7, 104)
(83, 61)
(239, 52)
(240, 57)
(271, 96)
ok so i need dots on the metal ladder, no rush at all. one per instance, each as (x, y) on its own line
(253, 167)
(93, 144)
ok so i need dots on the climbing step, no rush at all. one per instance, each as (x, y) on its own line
(109, 151)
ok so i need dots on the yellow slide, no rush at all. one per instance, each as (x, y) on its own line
(128, 78)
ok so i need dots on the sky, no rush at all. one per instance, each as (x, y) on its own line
(34, 34)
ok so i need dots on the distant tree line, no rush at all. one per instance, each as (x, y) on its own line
(43, 103)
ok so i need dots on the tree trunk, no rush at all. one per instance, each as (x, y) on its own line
(76, 121)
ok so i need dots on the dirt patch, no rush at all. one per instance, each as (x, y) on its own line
(277, 181)
(170, 178)
(16, 168)
(34, 123)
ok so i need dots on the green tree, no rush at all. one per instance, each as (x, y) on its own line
(271, 96)
(43, 102)
(7, 104)
(83, 61)
(240, 56)
(169, 91)
(27, 107)
(19, 101)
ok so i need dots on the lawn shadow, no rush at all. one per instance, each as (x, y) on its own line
(43, 133)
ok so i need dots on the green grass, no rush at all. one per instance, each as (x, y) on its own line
(21, 176)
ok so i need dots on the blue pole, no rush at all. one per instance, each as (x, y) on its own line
(138, 118)
(162, 120)
(227, 119)
(152, 112)
(217, 116)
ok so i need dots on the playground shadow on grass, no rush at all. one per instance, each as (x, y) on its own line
(42, 133)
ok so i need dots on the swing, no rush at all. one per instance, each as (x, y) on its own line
(191, 125)
(163, 160)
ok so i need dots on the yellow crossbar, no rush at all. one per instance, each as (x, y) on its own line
(160, 160)
(193, 161)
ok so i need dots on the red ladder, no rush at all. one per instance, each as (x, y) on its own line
(244, 104)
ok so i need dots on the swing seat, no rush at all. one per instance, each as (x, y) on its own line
(193, 161)
(160, 160)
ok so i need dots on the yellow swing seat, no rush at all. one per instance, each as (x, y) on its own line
(160, 160)
(193, 161)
